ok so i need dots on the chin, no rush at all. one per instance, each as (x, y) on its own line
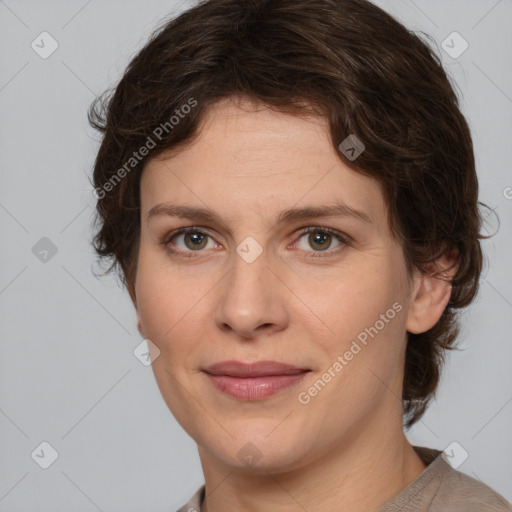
(258, 452)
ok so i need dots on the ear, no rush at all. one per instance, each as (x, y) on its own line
(139, 323)
(431, 293)
(131, 291)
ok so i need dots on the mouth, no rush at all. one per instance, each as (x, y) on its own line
(256, 381)
(260, 369)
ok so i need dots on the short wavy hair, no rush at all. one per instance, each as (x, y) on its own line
(345, 60)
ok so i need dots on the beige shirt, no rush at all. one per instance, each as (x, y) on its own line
(440, 488)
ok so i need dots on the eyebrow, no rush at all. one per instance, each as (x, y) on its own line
(338, 209)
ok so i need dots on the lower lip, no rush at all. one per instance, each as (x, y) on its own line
(254, 388)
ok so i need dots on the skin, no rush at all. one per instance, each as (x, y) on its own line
(345, 449)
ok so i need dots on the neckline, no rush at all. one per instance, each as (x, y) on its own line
(431, 457)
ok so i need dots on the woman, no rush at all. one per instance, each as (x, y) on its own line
(288, 190)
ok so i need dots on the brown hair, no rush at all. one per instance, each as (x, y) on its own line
(346, 60)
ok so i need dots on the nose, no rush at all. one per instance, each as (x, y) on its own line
(251, 300)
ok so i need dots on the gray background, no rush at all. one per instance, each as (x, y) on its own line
(68, 373)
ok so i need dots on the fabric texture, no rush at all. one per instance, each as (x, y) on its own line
(440, 488)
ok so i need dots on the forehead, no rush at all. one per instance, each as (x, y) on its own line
(250, 160)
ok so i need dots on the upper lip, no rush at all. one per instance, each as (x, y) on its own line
(259, 369)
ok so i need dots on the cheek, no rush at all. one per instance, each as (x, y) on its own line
(169, 306)
(352, 300)
(157, 302)
(170, 317)
(365, 318)
(362, 361)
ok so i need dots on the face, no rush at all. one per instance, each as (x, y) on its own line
(247, 283)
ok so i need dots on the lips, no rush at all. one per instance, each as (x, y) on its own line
(253, 382)
(259, 369)
(256, 381)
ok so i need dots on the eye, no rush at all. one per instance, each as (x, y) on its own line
(193, 240)
(321, 240)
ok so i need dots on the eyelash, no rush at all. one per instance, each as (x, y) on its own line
(344, 239)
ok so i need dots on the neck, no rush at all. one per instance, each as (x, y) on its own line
(362, 472)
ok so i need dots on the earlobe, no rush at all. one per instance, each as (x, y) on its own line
(431, 295)
(139, 324)
(133, 296)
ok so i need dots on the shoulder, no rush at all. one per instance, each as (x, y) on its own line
(195, 502)
(460, 492)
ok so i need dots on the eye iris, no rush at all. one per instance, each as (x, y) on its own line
(195, 237)
(317, 237)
